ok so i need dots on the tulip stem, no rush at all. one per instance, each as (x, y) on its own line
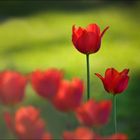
(115, 118)
(88, 77)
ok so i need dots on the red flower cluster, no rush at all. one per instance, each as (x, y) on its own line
(64, 95)
(27, 124)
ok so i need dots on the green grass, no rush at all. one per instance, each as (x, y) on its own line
(43, 40)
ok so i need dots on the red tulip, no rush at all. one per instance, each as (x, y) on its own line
(46, 83)
(27, 124)
(69, 96)
(115, 82)
(87, 40)
(94, 113)
(80, 133)
(12, 87)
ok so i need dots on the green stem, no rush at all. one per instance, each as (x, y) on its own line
(88, 77)
(115, 118)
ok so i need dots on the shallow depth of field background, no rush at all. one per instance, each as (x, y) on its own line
(37, 35)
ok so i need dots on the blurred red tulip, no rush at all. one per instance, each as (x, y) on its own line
(115, 82)
(27, 124)
(80, 133)
(46, 83)
(118, 136)
(94, 113)
(47, 136)
(69, 96)
(87, 40)
(12, 87)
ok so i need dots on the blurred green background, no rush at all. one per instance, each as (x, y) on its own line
(37, 35)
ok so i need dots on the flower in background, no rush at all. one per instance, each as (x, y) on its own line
(12, 87)
(115, 82)
(69, 96)
(87, 40)
(46, 83)
(80, 133)
(26, 123)
(84, 133)
(118, 136)
(94, 113)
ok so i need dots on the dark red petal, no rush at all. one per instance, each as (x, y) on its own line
(124, 72)
(104, 31)
(121, 84)
(76, 33)
(100, 76)
(105, 83)
(111, 73)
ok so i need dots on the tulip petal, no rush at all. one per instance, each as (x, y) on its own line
(76, 33)
(124, 72)
(100, 76)
(121, 84)
(88, 43)
(93, 28)
(110, 74)
(104, 31)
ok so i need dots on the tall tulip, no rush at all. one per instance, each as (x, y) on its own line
(87, 41)
(115, 83)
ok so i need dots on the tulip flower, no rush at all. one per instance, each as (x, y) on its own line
(46, 83)
(12, 87)
(87, 41)
(26, 123)
(115, 82)
(69, 95)
(94, 113)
